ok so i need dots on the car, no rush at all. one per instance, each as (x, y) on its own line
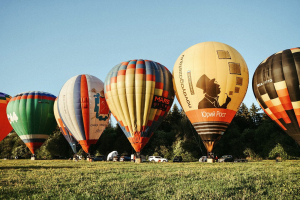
(177, 159)
(125, 158)
(226, 158)
(203, 159)
(99, 158)
(157, 159)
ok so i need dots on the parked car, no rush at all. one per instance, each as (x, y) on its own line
(203, 159)
(226, 158)
(157, 159)
(177, 159)
(125, 158)
(99, 158)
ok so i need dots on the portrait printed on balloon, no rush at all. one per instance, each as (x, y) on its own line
(212, 89)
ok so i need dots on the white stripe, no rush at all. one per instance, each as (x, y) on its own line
(34, 136)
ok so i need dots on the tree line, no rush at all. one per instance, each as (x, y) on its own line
(251, 134)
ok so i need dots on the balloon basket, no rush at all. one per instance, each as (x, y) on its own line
(210, 160)
(32, 158)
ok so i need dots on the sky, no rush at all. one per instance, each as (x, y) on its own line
(45, 43)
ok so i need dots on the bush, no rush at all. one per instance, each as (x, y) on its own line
(278, 150)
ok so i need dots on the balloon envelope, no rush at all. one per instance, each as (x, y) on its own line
(276, 88)
(139, 93)
(83, 109)
(31, 115)
(210, 82)
(5, 127)
(63, 129)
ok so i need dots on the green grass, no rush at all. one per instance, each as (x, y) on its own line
(62, 179)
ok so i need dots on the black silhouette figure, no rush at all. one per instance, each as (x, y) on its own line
(211, 90)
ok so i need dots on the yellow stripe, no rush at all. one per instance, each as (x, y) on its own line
(276, 101)
(295, 50)
(280, 85)
(265, 97)
(296, 104)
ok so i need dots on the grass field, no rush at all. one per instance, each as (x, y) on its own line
(63, 179)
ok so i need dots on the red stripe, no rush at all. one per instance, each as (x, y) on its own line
(159, 85)
(85, 105)
(150, 77)
(140, 71)
(156, 117)
(149, 122)
(165, 93)
(37, 97)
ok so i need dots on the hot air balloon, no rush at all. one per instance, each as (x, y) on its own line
(5, 127)
(63, 129)
(276, 88)
(139, 93)
(210, 82)
(83, 109)
(31, 115)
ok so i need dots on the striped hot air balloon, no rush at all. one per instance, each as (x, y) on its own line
(5, 127)
(275, 85)
(63, 129)
(210, 81)
(139, 93)
(31, 115)
(83, 109)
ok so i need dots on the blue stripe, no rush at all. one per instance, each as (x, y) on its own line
(77, 105)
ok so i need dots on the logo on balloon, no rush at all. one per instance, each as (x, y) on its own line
(103, 109)
(12, 117)
(160, 103)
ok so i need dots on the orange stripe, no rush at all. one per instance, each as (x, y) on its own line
(131, 66)
(61, 125)
(140, 71)
(211, 114)
(294, 48)
(150, 77)
(113, 79)
(121, 72)
(107, 87)
(297, 111)
(125, 63)
(140, 62)
(283, 92)
(85, 106)
(127, 129)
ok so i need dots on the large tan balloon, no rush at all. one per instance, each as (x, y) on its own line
(210, 82)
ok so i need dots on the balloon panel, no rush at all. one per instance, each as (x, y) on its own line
(276, 88)
(63, 129)
(139, 94)
(5, 127)
(210, 81)
(31, 115)
(83, 109)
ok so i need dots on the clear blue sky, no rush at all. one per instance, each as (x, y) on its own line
(44, 43)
